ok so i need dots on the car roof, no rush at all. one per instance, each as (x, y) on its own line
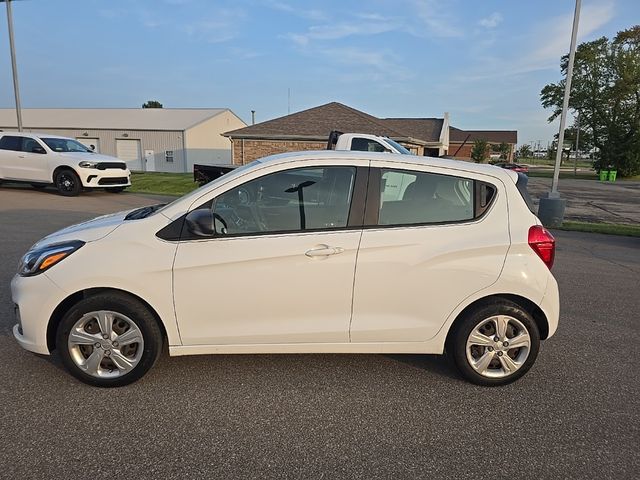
(35, 134)
(338, 155)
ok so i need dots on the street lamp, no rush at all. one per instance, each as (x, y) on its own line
(551, 209)
(12, 48)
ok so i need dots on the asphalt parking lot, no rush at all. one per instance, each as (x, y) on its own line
(575, 415)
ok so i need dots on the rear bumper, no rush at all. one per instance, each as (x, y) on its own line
(550, 305)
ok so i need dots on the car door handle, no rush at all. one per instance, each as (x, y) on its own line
(323, 251)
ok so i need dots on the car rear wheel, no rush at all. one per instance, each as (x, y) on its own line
(108, 340)
(495, 344)
(68, 183)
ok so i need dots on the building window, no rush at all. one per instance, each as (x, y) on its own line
(168, 156)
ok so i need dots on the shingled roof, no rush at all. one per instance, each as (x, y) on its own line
(318, 122)
(493, 136)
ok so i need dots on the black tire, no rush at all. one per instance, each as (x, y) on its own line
(67, 182)
(115, 189)
(39, 186)
(457, 342)
(123, 304)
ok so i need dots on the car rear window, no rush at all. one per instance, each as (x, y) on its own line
(10, 142)
(522, 182)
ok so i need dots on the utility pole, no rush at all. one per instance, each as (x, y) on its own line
(14, 68)
(575, 160)
(551, 209)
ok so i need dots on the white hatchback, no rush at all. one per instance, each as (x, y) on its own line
(43, 159)
(348, 252)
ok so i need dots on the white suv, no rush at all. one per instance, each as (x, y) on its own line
(43, 159)
(345, 252)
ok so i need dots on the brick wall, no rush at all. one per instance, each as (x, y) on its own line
(254, 149)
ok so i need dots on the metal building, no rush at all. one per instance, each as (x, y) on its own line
(149, 139)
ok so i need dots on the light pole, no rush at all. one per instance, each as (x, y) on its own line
(575, 160)
(551, 209)
(14, 68)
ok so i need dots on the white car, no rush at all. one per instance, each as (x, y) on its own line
(344, 252)
(43, 159)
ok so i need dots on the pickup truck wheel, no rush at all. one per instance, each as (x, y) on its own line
(68, 183)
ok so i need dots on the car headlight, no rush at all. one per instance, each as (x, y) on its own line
(38, 260)
(85, 164)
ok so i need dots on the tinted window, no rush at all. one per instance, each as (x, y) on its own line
(414, 198)
(8, 142)
(292, 200)
(65, 145)
(29, 144)
(366, 145)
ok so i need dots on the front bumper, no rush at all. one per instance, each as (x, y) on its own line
(112, 177)
(36, 298)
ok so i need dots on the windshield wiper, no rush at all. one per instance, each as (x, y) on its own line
(143, 212)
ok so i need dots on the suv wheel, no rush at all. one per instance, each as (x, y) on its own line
(68, 183)
(495, 344)
(108, 340)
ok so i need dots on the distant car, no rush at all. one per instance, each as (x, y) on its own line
(513, 166)
(310, 252)
(43, 159)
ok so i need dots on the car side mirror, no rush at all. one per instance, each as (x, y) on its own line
(200, 222)
(38, 149)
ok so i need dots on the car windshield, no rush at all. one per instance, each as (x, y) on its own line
(65, 145)
(398, 147)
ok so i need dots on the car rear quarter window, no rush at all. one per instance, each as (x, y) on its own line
(11, 142)
(417, 198)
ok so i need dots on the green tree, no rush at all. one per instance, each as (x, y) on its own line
(152, 104)
(606, 90)
(504, 149)
(479, 150)
(525, 151)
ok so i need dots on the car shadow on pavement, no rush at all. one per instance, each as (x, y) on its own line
(436, 364)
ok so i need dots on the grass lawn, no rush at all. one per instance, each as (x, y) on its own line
(162, 183)
(608, 228)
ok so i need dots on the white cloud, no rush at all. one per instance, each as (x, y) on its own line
(492, 21)
(310, 14)
(342, 30)
(220, 26)
(436, 20)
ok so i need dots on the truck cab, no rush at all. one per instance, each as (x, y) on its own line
(364, 142)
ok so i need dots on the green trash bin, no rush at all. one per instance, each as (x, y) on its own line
(604, 174)
(612, 175)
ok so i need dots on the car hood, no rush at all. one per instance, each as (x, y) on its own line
(89, 157)
(88, 231)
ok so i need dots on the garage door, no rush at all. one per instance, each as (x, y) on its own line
(87, 142)
(129, 151)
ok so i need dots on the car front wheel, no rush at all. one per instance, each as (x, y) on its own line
(495, 344)
(108, 340)
(68, 183)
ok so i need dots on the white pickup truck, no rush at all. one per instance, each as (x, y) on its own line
(364, 142)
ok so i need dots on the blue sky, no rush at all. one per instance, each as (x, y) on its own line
(483, 61)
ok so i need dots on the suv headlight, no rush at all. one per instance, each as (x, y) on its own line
(38, 260)
(85, 164)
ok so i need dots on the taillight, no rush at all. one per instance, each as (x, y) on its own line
(543, 244)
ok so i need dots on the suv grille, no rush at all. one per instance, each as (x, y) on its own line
(113, 181)
(105, 165)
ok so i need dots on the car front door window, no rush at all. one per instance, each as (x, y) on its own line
(294, 200)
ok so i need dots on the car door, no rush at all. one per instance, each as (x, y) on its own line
(432, 237)
(279, 266)
(23, 158)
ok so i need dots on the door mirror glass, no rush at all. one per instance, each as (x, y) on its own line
(38, 149)
(200, 222)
